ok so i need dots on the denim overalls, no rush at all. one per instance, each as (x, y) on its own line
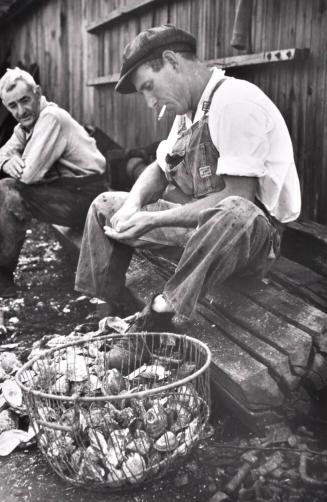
(193, 162)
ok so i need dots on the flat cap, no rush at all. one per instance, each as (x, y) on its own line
(148, 45)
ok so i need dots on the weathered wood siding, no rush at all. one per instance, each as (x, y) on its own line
(54, 34)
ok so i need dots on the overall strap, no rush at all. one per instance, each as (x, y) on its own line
(207, 103)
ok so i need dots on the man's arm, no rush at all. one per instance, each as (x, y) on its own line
(147, 188)
(44, 148)
(11, 162)
(186, 215)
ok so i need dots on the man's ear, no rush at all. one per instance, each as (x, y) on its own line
(170, 57)
(38, 91)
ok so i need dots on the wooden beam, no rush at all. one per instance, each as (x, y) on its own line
(278, 56)
(121, 12)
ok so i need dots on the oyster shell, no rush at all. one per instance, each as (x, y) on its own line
(61, 385)
(12, 393)
(113, 382)
(97, 440)
(154, 459)
(9, 362)
(7, 421)
(188, 395)
(47, 414)
(98, 368)
(9, 440)
(155, 372)
(77, 370)
(183, 417)
(76, 459)
(125, 416)
(141, 443)
(116, 447)
(191, 433)
(166, 442)
(134, 467)
(89, 470)
(94, 383)
(115, 476)
(3, 374)
(156, 421)
(185, 370)
(92, 454)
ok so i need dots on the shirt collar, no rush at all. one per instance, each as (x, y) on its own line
(217, 75)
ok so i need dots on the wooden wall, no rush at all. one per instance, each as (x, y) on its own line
(55, 35)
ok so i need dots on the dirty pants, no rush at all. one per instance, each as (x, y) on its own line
(233, 236)
(63, 202)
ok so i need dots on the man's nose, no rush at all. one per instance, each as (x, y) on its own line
(20, 109)
(151, 101)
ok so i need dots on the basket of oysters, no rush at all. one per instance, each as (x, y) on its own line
(118, 410)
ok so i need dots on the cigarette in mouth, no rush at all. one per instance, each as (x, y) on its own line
(162, 112)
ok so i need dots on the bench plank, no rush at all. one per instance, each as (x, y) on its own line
(288, 339)
(276, 361)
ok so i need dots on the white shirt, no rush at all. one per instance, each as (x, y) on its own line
(252, 138)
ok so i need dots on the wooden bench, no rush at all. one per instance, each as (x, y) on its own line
(268, 337)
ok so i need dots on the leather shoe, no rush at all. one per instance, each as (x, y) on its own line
(149, 320)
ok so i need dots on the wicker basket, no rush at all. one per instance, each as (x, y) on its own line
(118, 410)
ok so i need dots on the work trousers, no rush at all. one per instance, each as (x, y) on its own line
(63, 202)
(234, 236)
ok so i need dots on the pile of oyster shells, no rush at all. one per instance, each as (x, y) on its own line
(12, 409)
(128, 437)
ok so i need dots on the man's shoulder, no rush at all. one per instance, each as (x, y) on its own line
(55, 113)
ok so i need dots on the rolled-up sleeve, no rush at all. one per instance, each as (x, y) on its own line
(241, 133)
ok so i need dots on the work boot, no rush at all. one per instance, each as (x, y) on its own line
(149, 320)
(8, 289)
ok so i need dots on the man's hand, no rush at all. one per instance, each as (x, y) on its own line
(14, 167)
(123, 215)
(132, 228)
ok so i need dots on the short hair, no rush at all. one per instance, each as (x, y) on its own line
(157, 63)
(12, 75)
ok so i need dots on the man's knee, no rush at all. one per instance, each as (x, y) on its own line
(10, 198)
(7, 185)
(108, 203)
(240, 209)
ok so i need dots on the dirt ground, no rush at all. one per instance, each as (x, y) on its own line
(47, 305)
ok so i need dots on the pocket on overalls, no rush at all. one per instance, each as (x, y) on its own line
(177, 171)
(203, 163)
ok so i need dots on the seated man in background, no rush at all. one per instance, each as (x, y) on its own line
(50, 169)
(230, 157)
